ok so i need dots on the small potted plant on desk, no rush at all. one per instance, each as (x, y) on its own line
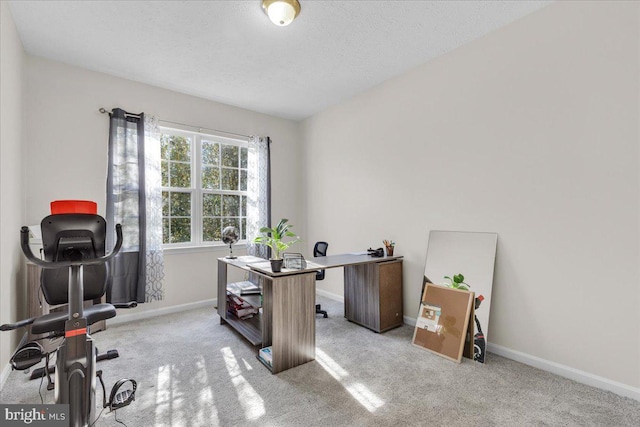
(273, 238)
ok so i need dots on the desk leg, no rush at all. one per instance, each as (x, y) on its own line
(222, 291)
(293, 319)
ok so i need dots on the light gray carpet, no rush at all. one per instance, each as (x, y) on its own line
(192, 371)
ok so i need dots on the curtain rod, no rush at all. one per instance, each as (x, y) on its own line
(103, 111)
(200, 128)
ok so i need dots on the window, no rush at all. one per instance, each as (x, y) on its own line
(204, 187)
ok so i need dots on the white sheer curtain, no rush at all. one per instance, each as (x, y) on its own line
(259, 193)
(134, 199)
(154, 257)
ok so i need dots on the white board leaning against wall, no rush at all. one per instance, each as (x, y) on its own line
(471, 254)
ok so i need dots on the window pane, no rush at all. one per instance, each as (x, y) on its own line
(210, 153)
(180, 230)
(230, 205)
(244, 229)
(164, 168)
(229, 179)
(211, 205)
(230, 156)
(180, 148)
(180, 204)
(180, 175)
(211, 229)
(243, 157)
(243, 180)
(188, 176)
(234, 222)
(211, 178)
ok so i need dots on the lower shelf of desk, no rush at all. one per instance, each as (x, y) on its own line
(248, 328)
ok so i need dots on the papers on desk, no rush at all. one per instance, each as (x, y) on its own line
(266, 266)
(261, 265)
(250, 259)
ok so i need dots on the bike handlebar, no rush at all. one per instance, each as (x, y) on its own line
(24, 243)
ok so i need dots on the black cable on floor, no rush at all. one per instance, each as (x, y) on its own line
(40, 390)
(115, 417)
(97, 418)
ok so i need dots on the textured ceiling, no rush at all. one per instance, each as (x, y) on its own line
(229, 51)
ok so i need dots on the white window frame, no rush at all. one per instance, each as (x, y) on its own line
(197, 243)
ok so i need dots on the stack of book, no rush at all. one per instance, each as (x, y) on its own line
(265, 355)
(239, 307)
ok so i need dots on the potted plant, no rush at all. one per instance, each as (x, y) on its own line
(273, 238)
(457, 282)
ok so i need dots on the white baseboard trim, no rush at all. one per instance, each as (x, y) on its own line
(7, 369)
(5, 375)
(126, 318)
(330, 295)
(558, 369)
(567, 372)
(133, 317)
(409, 321)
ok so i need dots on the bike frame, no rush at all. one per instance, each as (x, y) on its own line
(75, 378)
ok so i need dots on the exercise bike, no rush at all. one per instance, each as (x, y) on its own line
(74, 270)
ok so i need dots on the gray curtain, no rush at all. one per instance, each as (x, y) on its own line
(259, 193)
(134, 200)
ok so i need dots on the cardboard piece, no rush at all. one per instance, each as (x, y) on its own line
(443, 320)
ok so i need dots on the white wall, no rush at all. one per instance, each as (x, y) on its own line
(11, 182)
(531, 132)
(67, 153)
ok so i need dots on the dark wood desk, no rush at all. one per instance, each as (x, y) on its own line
(372, 289)
(286, 322)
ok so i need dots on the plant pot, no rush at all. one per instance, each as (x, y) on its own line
(276, 265)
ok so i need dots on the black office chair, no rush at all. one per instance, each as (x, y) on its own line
(320, 249)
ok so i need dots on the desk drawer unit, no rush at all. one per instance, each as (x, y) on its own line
(373, 294)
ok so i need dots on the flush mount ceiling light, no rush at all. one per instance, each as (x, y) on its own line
(281, 12)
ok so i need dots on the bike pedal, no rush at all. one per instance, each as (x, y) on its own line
(112, 354)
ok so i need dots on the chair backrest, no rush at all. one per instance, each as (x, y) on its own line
(320, 249)
(67, 237)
